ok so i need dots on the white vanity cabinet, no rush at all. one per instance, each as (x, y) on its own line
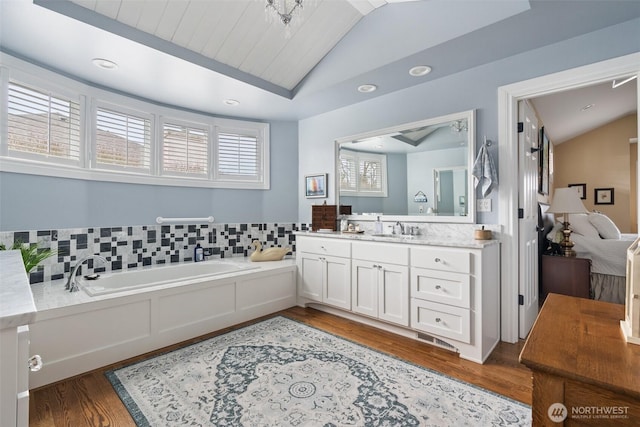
(379, 281)
(447, 295)
(324, 271)
(17, 311)
(455, 297)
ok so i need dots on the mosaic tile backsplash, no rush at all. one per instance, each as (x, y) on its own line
(131, 247)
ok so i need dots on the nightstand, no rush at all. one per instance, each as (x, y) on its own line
(565, 275)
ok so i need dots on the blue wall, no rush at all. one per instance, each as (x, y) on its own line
(472, 89)
(31, 202)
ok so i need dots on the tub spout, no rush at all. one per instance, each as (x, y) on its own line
(72, 284)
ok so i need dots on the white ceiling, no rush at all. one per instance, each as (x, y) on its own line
(195, 54)
(569, 114)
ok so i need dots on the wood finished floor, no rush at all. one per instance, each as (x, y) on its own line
(89, 400)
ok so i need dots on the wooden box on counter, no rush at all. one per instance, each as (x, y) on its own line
(324, 216)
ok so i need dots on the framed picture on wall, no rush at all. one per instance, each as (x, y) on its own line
(581, 189)
(603, 196)
(315, 186)
(543, 176)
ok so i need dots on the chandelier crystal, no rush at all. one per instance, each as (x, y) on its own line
(459, 126)
(284, 9)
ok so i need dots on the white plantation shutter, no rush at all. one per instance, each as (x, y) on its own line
(370, 174)
(363, 174)
(40, 123)
(122, 140)
(239, 156)
(185, 150)
(348, 173)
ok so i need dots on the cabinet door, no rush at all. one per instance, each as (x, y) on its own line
(310, 276)
(364, 287)
(337, 283)
(393, 297)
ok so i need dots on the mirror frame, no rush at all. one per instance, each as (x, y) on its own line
(470, 218)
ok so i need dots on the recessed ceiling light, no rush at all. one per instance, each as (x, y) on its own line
(231, 102)
(420, 70)
(367, 88)
(105, 64)
(586, 107)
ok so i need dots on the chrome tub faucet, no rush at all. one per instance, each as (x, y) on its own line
(72, 284)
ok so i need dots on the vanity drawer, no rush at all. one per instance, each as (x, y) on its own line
(440, 319)
(456, 260)
(441, 286)
(391, 253)
(316, 245)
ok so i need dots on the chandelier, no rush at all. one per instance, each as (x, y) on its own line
(284, 9)
(459, 126)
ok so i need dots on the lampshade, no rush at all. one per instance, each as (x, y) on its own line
(566, 201)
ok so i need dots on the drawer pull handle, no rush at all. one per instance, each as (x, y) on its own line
(438, 260)
(35, 363)
(438, 320)
(438, 287)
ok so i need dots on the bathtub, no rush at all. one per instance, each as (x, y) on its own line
(136, 279)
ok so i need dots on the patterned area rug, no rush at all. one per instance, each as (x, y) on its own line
(280, 372)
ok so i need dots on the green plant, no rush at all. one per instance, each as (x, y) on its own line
(31, 254)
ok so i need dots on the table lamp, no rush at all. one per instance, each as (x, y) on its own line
(566, 201)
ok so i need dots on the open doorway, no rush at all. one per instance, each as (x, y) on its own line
(508, 97)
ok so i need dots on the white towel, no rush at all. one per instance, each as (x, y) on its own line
(484, 171)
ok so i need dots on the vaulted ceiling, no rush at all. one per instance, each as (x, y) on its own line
(196, 54)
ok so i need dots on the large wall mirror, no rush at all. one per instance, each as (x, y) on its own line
(418, 171)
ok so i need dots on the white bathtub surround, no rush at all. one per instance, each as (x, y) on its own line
(130, 247)
(94, 331)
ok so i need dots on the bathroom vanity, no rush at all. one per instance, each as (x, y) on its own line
(445, 292)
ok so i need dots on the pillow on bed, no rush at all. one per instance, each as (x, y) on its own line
(606, 228)
(580, 224)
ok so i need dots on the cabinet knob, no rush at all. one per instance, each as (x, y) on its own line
(438, 320)
(438, 287)
(438, 260)
(35, 363)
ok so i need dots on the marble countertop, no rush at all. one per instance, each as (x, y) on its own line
(17, 306)
(52, 295)
(430, 240)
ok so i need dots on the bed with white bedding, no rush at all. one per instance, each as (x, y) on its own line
(597, 238)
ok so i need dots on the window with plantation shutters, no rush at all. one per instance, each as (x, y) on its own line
(185, 150)
(42, 124)
(122, 140)
(240, 154)
(53, 126)
(363, 174)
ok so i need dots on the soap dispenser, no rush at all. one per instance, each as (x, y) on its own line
(379, 227)
(198, 253)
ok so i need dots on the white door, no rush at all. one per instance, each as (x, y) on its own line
(364, 287)
(310, 276)
(393, 294)
(527, 226)
(337, 289)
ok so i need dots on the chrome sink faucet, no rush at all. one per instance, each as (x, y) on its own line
(72, 284)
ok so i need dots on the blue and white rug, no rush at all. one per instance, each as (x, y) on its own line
(280, 372)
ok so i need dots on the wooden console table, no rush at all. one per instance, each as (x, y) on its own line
(580, 359)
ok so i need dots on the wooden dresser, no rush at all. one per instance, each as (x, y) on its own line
(580, 359)
(324, 216)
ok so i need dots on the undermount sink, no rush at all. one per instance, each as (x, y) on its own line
(395, 236)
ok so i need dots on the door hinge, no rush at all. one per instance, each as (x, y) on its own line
(520, 127)
(520, 213)
(520, 299)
